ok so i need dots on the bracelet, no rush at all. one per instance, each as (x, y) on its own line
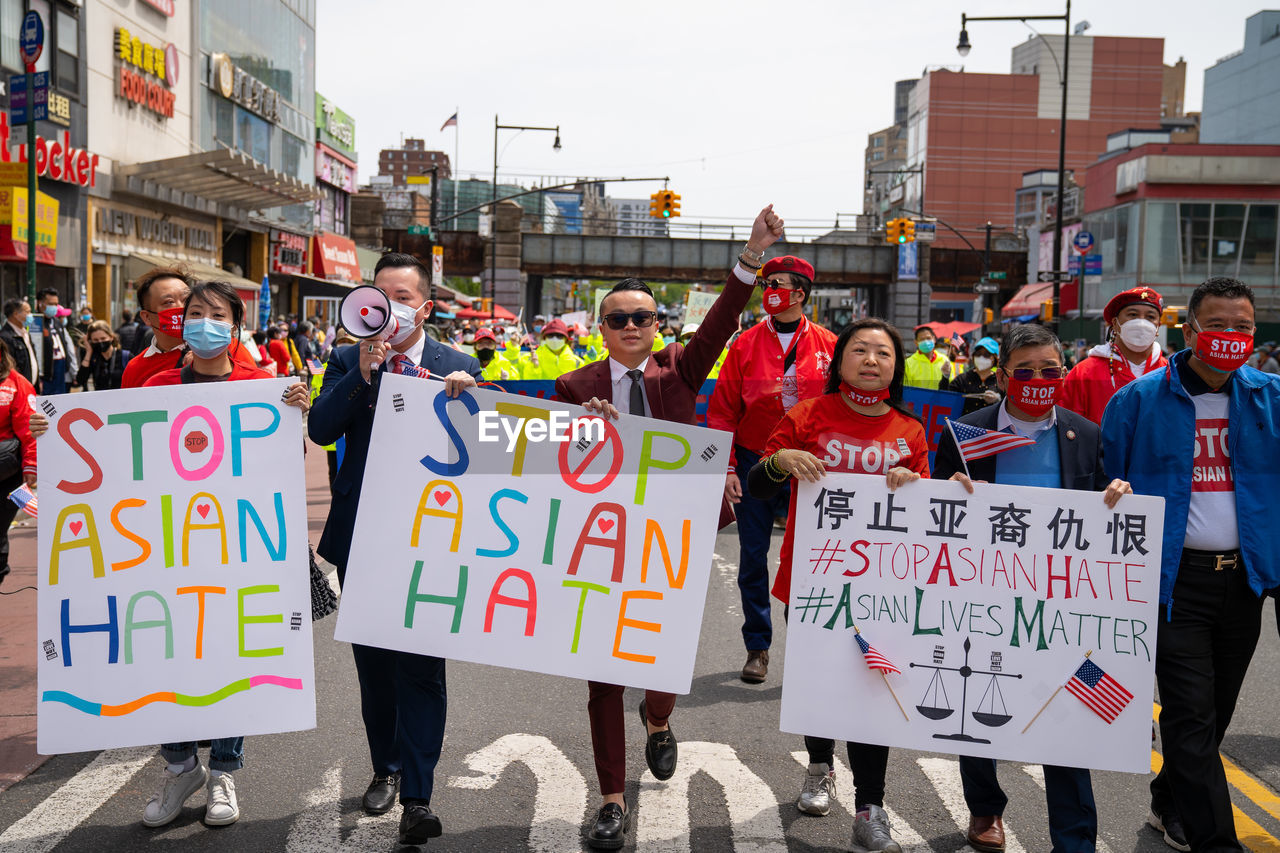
(748, 263)
(771, 466)
(756, 257)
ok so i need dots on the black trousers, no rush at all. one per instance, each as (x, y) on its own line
(1202, 655)
(8, 511)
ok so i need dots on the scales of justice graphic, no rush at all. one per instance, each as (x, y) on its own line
(936, 705)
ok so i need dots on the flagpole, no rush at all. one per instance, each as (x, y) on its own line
(454, 171)
(884, 676)
(959, 449)
(1055, 694)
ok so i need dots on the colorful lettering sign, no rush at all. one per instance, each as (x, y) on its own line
(13, 225)
(334, 127)
(562, 544)
(1015, 622)
(173, 599)
(57, 159)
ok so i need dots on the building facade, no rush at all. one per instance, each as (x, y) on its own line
(412, 160)
(1242, 91)
(632, 218)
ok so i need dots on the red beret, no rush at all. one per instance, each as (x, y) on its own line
(484, 333)
(555, 327)
(1130, 297)
(788, 263)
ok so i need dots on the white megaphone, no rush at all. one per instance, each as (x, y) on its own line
(365, 312)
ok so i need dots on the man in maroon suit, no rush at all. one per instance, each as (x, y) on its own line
(635, 380)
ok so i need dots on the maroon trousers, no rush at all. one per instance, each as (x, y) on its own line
(608, 735)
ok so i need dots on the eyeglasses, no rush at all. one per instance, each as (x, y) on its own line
(1026, 374)
(641, 319)
(779, 285)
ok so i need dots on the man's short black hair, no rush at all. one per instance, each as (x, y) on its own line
(1028, 335)
(50, 291)
(11, 306)
(400, 260)
(628, 284)
(1222, 286)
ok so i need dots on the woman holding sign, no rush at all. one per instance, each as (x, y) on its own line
(211, 319)
(859, 426)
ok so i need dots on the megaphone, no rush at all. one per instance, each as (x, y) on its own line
(365, 312)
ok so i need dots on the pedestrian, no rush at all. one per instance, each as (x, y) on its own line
(103, 360)
(212, 316)
(926, 367)
(553, 357)
(634, 380)
(402, 695)
(979, 384)
(859, 425)
(495, 367)
(16, 334)
(128, 327)
(769, 369)
(1130, 351)
(17, 445)
(1168, 435)
(56, 350)
(1067, 454)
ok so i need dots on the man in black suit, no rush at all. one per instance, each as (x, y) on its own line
(1067, 454)
(14, 332)
(402, 695)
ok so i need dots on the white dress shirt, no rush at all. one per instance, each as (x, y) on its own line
(622, 387)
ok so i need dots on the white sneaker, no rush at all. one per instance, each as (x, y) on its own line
(222, 808)
(175, 789)
(871, 833)
(819, 788)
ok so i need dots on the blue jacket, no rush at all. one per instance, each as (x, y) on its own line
(345, 407)
(1148, 438)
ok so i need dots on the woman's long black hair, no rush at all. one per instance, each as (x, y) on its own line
(899, 361)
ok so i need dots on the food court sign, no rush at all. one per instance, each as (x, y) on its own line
(147, 73)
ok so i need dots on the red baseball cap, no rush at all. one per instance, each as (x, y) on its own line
(788, 263)
(555, 327)
(1129, 297)
(484, 333)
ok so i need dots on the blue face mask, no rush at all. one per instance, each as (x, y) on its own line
(925, 346)
(207, 338)
(668, 339)
(51, 310)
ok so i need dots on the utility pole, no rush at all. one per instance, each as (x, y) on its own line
(986, 268)
(431, 229)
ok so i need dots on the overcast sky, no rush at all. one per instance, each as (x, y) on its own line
(739, 102)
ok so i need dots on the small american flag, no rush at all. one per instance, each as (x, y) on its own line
(451, 121)
(403, 365)
(1102, 693)
(874, 659)
(976, 442)
(315, 366)
(957, 341)
(25, 499)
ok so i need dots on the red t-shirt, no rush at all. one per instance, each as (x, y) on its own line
(239, 371)
(142, 367)
(280, 354)
(845, 441)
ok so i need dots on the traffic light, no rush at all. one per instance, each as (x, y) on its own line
(655, 205)
(668, 204)
(1046, 311)
(486, 305)
(675, 203)
(1169, 317)
(892, 229)
(908, 231)
(988, 316)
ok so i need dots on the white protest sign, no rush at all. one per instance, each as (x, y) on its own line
(587, 558)
(174, 600)
(987, 604)
(575, 318)
(697, 304)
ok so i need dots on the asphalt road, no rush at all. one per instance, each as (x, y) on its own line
(517, 772)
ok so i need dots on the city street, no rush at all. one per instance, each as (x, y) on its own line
(517, 772)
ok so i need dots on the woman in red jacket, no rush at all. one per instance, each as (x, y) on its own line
(17, 446)
(859, 426)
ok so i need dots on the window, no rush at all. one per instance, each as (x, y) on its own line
(11, 13)
(253, 135)
(224, 130)
(1193, 226)
(1258, 253)
(68, 35)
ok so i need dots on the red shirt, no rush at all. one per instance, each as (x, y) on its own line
(238, 371)
(1094, 381)
(142, 367)
(845, 441)
(15, 416)
(280, 355)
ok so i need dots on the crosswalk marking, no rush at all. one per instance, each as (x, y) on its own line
(1036, 772)
(45, 826)
(318, 829)
(944, 773)
(904, 833)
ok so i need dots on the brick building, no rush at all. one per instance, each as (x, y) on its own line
(412, 160)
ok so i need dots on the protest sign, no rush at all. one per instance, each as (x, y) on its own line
(1014, 623)
(933, 408)
(481, 537)
(173, 596)
(697, 304)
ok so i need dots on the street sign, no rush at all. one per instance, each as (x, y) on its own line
(18, 97)
(1083, 241)
(1092, 264)
(1050, 275)
(986, 287)
(419, 230)
(437, 264)
(997, 276)
(926, 232)
(31, 38)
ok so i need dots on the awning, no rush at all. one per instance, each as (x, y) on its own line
(334, 256)
(223, 176)
(956, 327)
(1027, 300)
(499, 313)
(311, 286)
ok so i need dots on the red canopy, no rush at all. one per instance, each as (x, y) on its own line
(957, 327)
(472, 314)
(1027, 300)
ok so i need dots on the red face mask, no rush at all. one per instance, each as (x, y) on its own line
(171, 321)
(1035, 396)
(776, 300)
(863, 398)
(1223, 351)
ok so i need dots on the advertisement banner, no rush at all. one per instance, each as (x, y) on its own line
(173, 595)
(1015, 623)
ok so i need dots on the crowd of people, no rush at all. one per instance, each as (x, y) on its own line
(786, 389)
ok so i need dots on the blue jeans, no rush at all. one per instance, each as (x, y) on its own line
(755, 532)
(1068, 792)
(57, 382)
(226, 754)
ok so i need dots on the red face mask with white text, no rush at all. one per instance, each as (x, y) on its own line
(1224, 351)
(1034, 396)
(863, 398)
(776, 300)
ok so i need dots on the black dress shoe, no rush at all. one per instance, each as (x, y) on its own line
(660, 751)
(380, 796)
(609, 832)
(418, 823)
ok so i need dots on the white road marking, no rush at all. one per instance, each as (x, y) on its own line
(944, 773)
(318, 828)
(560, 801)
(753, 808)
(45, 826)
(1036, 772)
(904, 833)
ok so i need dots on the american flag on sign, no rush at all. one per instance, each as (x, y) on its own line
(976, 442)
(874, 659)
(1102, 693)
(25, 499)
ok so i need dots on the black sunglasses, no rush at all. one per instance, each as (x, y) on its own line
(1026, 374)
(642, 319)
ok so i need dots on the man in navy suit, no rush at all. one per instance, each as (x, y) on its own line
(402, 695)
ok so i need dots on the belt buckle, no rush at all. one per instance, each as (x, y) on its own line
(1224, 561)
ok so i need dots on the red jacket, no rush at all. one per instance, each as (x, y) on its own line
(142, 367)
(1094, 381)
(747, 400)
(15, 417)
(238, 371)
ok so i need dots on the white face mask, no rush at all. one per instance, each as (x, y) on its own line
(1138, 334)
(982, 362)
(555, 344)
(406, 316)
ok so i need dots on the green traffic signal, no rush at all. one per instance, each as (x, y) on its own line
(902, 238)
(666, 214)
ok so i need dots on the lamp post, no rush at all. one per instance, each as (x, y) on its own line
(493, 209)
(963, 47)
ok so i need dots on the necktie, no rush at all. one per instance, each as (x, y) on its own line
(398, 362)
(637, 392)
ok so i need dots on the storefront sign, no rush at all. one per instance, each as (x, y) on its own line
(334, 257)
(334, 127)
(333, 171)
(57, 159)
(13, 225)
(164, 7)
(146, 73)
(288, 252)
(59, 109)
(235, 84)
(146, 231)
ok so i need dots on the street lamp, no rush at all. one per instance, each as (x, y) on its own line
(963, 49)
(493, 208)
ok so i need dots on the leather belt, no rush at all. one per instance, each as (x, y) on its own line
(1213, 559)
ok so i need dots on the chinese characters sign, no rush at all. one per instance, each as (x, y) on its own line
(993, 608)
